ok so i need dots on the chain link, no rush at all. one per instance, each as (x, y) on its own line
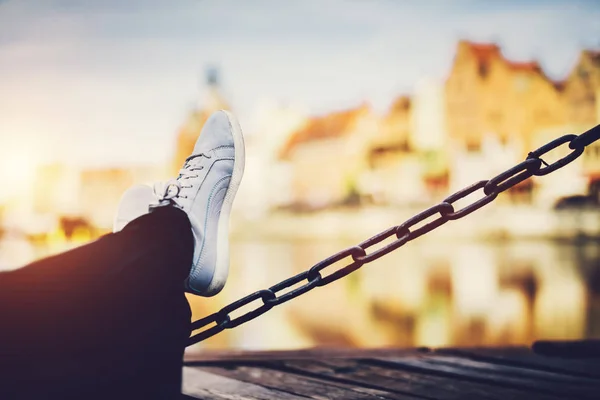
(533, 165)
(576, 152)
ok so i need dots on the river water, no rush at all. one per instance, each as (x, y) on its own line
(431, 293)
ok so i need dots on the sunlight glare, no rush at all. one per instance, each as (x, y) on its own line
(17, 173)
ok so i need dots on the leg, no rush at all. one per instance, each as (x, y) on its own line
(107, 320)
(110, 320)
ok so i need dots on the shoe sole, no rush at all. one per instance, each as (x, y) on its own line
(222, 260)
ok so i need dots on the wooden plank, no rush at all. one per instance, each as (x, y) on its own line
(500, 376)
(204, 385)
(513, 373)
(426, 386)
(524, 357)
(301, 385)
(310, 353)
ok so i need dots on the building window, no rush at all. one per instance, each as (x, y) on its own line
(483, 70)
(473, 146)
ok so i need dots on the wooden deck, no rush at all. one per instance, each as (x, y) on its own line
(508, 373)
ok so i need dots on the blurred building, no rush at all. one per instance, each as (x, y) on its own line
(428, 119)
(56, 190)
(487, 116)
(591, 166)
(63, 191)
(569, 181)
(467, 166)
(429, 136)
(582, 102)
(394, 175)
(407, 160)
(581, 90)
(190, 130)
(487, 94)
(496, 109)
(266, 182)
(395, 129)
(408, 157)
(328, 154)
(580, 93)
(100, 192)
(267, 179)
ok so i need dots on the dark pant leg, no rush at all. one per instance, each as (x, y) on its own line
(106, 320)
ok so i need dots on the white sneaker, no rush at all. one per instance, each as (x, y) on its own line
(133, 204)
(205, 189)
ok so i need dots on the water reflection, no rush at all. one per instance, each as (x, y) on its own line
(432, 293)
(428, 293)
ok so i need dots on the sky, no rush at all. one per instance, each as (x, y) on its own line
(109, 82)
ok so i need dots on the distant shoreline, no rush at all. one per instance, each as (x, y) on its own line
(499, 223)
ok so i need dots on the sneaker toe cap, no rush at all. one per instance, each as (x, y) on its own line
(217, 131)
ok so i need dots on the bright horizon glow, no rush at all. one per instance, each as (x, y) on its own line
(17, 172)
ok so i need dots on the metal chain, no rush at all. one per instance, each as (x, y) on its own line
(273, 296)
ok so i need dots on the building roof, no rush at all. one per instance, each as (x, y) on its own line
(333, 125)
(559, 85)
(527, 66)
(486, 52)
(400, 104)
(593, 54)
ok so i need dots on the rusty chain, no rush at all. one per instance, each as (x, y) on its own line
(533, 165)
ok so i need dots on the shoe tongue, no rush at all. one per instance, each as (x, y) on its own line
(164, 190)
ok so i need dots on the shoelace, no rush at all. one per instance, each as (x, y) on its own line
(169, 191)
